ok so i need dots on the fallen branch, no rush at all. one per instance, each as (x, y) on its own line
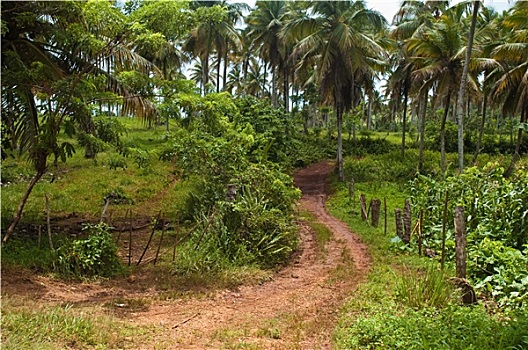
(185, 321)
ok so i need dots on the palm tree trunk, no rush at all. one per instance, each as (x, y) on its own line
(226, 63)
(442, 133)
(461, 91)
(516, 154)
(481, 128)
(218, 73)
(423, 112)
(274, 87)
(405, 100)
(339, 115)
(369, 112)
(21, 205)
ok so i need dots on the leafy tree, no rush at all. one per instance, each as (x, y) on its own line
(57, 60)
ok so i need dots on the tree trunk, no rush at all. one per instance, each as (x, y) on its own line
(226, 64)
(462, 90)
(339, 113)
(218, 72)
(460, 242)
(399, 224)
(274, 87)
(405, 100)
(481, 128)
(21, 205)
(517, 153)
(369, 112)
(376, 210)
(423, 111)
(442, 134)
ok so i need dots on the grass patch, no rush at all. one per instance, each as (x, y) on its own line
(29, 325)
(321, 233)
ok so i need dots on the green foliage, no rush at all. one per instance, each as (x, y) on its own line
(501, 271)
(427, 288)
(453, 327)
(496, 211)
(95, 255)
(49, 328)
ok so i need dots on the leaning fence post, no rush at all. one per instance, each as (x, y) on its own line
(363, 202)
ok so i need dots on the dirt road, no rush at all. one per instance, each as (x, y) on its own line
(296, 309)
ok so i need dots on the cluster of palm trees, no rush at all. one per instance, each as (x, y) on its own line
(342, 49)
(59, 59)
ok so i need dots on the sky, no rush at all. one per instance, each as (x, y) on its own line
(388, 8)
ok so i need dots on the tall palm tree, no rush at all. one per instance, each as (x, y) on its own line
(213, 30)
(462, 88)
(512, 85)
(266, 24)
(437, 53)
(341, 44)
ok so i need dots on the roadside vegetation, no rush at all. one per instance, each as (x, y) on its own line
(115, 164)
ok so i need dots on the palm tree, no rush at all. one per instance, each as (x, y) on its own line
(213, 32)
(512, 85)
(462, 89)
(437, 54)
(341, 45)
(48, 76)
(266, 24)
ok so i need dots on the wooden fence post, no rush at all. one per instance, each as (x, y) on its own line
(399, 225)
(460, 242)
(407, 222)
(149, 240)
(376, 209)
(444, 223)
(160, 241)
(363, 202)
(351, 191)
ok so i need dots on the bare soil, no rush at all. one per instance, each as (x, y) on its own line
(296, 309)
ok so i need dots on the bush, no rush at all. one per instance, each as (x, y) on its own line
(453, 327)
(95, 255)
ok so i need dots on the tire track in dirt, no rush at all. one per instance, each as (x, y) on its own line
(296, 310)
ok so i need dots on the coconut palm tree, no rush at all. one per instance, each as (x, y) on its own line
(266, 24)
(340, 42)
(438, 55)
(511, 87)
